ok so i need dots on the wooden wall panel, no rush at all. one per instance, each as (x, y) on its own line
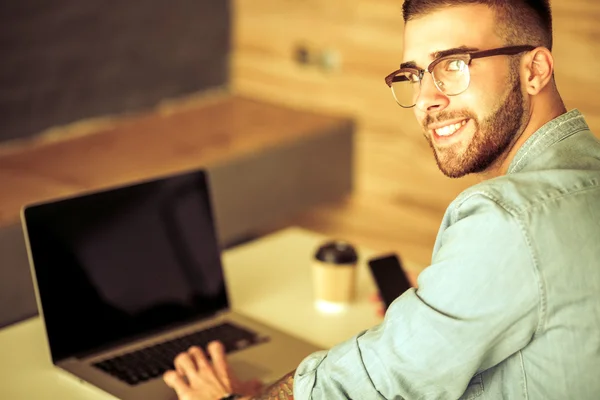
(394, 161)
(577, 54)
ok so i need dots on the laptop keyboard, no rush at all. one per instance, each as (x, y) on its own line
(150, 362)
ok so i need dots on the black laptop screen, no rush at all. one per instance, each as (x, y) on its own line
(124, 262)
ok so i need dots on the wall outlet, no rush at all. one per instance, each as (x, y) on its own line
(328, 60)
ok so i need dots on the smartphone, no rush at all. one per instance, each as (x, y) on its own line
(389, 277)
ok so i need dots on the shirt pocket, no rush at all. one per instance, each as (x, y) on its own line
(474, 388)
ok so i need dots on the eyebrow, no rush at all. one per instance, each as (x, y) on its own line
(453, 51)
(441, 53)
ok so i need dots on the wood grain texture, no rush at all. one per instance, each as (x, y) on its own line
(401, 194)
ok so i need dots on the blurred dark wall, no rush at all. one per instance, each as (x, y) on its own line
(66, 60)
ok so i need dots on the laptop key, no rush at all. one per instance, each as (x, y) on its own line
(151, 362)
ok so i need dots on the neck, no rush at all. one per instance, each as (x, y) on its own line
(540, 112)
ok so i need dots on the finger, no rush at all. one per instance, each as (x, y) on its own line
(176, 382)
(206, 376)
(185, 365)
(199, 358)
(413, 278)
(220, 364)
(375, 297)
(178, 369)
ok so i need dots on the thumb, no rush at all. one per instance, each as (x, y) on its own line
(176, 382)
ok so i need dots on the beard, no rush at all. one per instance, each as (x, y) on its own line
(491, 139)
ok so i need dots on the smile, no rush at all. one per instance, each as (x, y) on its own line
(450, 129)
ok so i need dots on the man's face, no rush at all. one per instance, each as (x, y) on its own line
(488, 114)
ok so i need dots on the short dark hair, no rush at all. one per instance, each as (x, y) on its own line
(519, 21)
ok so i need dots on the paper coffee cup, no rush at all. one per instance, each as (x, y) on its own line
(334, 274)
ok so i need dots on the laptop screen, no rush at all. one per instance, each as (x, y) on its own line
(120, 263)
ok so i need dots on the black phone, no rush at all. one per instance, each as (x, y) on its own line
(389, 277)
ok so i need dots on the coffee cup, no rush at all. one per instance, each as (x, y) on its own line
(334, 275)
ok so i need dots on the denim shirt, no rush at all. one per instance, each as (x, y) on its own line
(509, 307)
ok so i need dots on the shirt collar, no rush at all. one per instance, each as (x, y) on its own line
(550, 133)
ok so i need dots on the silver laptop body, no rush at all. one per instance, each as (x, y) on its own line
(127, 277)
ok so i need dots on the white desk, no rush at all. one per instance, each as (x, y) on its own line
(269, 280)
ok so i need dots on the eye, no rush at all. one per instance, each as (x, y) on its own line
(455, 65)
(413, 78)
(406, 77)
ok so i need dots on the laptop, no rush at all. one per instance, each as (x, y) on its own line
(128, 277)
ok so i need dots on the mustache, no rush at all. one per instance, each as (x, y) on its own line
(446, 116)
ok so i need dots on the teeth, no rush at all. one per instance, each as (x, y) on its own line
(450, 129)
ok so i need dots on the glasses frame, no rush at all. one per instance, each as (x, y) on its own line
(472, 55)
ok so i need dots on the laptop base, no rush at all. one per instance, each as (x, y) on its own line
(267, 361)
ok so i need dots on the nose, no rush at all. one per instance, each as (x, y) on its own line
(430, 99)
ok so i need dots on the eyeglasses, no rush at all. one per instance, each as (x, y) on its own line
(450, 74)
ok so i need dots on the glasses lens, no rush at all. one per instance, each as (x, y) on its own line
(405, 87)
(451, 76)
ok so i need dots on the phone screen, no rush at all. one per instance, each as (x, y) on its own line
(389, 277)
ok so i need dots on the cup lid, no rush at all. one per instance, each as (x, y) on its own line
(337, 252)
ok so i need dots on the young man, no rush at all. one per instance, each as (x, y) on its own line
(510, 306)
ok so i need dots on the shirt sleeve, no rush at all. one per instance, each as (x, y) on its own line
(477, 304)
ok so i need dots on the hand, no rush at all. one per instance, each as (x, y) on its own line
(376, 297)
(379, 306)
(196, 378)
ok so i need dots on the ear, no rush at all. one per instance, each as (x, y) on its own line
(539, 69)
